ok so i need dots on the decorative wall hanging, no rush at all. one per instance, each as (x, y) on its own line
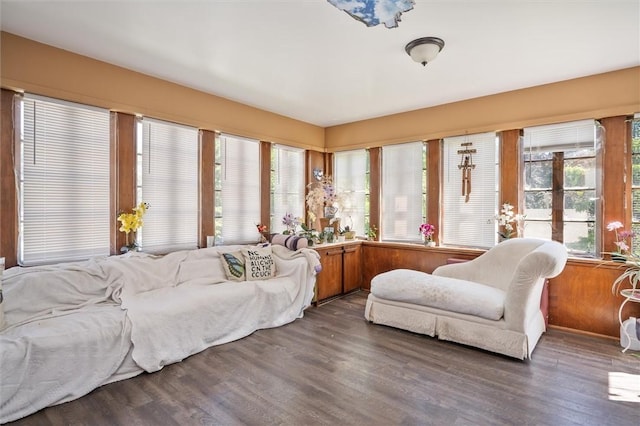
(374, 12)
(318, 174)
(466, 165)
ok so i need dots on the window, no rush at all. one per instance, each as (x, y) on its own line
(561, 184)
(351, 178)
(168, 182)
(469, 221)
(403, 209)
(287, 185)
(237, 190)
(635, 182)
(63, 181)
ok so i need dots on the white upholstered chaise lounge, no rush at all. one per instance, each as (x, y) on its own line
(491, 302)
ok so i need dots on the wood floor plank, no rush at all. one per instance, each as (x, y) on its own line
(333, 367)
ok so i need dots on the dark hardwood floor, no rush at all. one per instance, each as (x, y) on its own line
(333, 367)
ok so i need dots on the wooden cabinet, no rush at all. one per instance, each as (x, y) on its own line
(341, 270)
(329, 281)
(351, 268)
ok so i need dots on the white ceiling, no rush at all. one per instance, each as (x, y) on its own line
(307, 60)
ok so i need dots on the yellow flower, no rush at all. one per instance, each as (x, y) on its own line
(131, 222)
(141, 209)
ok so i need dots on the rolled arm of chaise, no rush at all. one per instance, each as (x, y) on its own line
(522, 299)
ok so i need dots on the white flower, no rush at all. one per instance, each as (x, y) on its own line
(614, 225)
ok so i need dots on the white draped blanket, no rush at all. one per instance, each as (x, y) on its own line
(73, 327)
(181, 318)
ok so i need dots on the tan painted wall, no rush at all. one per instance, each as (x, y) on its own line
(38, 68)
(603, 95)
(42, 69)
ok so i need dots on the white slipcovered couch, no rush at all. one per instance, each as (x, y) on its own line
(491, 302)
(73, 327)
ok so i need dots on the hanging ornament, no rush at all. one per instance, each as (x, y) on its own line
(466, 165)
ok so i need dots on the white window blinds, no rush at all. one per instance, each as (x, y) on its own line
(561, 137)
(402, 206)
(169, 184)
(470, 223)
(240, 192)
(287, 180)
(350, 176)
(64, 181)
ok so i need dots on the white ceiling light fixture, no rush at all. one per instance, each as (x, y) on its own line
(424, 50)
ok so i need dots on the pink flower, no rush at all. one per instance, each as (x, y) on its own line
(427, 230)
(621, 237)
(622, 246)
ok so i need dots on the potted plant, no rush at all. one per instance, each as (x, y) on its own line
(371, 232)
(348, 233)
(427, 230)
(623, 255)
(308, 233)
(329, 236)
(321, 237)
(506, 219)
(129, 224)
(291, 223)
(631, 275)
(322, 201)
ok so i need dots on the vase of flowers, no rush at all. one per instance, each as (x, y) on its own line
(322, 199)
(372, 232)
(622, 242)
(264, 233)
(291, 223)
(427, 230)
(506, 221)
(623, 255)
(129, 224)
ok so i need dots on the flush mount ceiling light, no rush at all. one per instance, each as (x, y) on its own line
(424, 50)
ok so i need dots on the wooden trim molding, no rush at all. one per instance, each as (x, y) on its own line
(375, 182)
(328, 164)
(123, 173)
(434, 195)
(557, 203)
(511, 169)
(206, 186)
(313, 160)
(8, 192)
(265, 184)
(616, 182)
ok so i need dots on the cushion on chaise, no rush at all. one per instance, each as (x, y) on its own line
(465, 297)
